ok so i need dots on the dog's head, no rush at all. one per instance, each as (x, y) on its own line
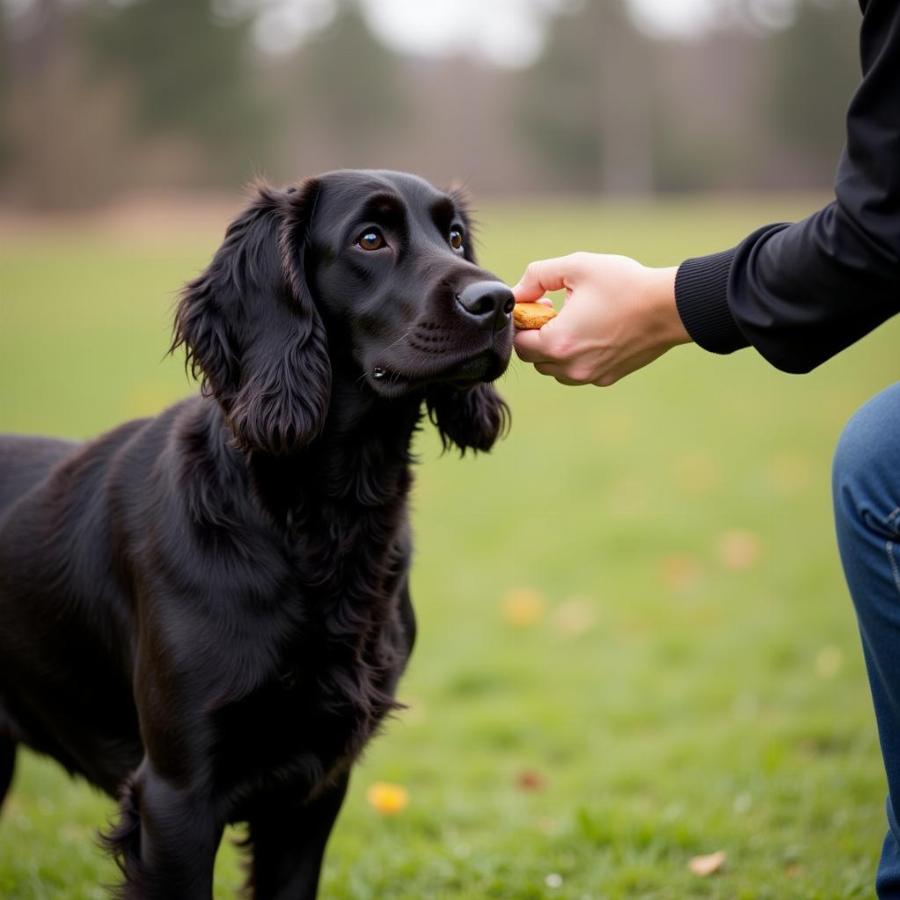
(364, 275)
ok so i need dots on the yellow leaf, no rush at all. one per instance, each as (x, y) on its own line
(522, 607)
(387, 799)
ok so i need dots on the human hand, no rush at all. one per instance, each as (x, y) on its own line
(618, 316)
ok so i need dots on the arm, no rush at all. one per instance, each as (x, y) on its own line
(798, 293)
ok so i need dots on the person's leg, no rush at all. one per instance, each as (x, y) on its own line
(866, 482)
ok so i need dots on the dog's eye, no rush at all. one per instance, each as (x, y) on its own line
(371, 239)
(456, 238)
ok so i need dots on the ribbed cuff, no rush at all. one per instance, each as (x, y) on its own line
(701, 295)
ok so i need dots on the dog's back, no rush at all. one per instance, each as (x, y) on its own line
(25, 462)
(56, 615)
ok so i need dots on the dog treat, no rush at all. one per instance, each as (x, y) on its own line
(528, 316)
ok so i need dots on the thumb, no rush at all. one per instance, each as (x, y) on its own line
(541, 277)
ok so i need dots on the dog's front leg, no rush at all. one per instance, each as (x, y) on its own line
(288, 844)
(166, 839)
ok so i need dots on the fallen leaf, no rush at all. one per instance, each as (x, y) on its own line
(530, 780)
(387, 799)
(522, 607)
(738, 549)
(704, 866)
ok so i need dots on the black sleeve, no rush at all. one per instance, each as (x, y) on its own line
(800, 293)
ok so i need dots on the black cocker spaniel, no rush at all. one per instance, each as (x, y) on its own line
(206, 613)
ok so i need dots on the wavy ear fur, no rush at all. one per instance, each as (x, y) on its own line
(251, 330)
(471, 418)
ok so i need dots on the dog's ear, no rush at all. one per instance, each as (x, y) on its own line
(470, 418)
(251, 330)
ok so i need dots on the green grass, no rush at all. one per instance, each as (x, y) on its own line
(671, 703)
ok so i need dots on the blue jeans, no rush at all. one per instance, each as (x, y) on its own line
(867, 516)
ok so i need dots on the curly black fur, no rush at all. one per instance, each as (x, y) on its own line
(206, 613)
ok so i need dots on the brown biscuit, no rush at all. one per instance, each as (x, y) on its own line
(528, 316)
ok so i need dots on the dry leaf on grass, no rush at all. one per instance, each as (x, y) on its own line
(522, 607)
(530, 780)
(387, 799)
(738, 549)
(704, 866)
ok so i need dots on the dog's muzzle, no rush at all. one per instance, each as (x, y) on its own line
(487, 303)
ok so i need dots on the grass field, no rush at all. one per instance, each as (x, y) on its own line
(635, 641)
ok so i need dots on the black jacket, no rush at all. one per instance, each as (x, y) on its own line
(799, 293)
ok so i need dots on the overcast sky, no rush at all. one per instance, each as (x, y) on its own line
(507, 32)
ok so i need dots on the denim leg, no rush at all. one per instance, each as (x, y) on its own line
(866, 483)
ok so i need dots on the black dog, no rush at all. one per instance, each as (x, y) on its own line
(206, 613)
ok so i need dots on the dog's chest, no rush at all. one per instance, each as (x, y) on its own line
(331, 685)
(314, 717)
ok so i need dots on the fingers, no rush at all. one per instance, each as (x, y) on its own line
(554, 370)
(546, 275)
(560, 376)
(551, 349)
(529, 346)
(550, 354)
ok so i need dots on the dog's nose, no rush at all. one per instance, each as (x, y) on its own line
(486, 300)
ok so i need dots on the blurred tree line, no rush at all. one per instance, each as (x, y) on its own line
(104, 97)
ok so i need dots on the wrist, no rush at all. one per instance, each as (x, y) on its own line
(662, 298)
